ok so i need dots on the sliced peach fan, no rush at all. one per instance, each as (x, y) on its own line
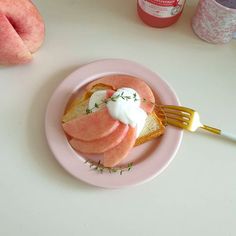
(98, 132)
(88, 136)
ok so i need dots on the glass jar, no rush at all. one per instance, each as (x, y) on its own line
(160, 13)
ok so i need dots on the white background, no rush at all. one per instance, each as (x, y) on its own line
(196, 195)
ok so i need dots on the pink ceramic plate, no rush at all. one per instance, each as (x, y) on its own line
(149, 159)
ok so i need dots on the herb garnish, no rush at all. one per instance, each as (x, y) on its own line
(160, 111)
(113, 99)
(100, 168)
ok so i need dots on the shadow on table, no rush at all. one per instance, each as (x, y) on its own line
(37, 140)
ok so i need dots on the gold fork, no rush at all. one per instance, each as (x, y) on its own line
(189, 119)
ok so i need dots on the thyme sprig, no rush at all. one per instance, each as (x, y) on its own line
(113, 99)
(96, 105)
(161, 112)
(100, 168)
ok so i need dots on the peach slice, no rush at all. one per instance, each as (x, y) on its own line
(90, 127)
(103, 144)
(115, 155)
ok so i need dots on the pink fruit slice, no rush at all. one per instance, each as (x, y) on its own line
(103, 144)
(12, 48)
(115, 155)
(119, 81)
(90, 127)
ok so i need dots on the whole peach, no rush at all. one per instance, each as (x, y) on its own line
(21, 31)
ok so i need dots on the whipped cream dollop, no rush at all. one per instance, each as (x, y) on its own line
(124, 105)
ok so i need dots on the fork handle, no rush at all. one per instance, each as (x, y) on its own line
(228, 135)
(219, 132)
(211, 129)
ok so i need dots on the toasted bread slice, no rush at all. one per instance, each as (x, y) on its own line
(76, 109)
(153, 126)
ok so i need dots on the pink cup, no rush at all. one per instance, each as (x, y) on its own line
(214, 22)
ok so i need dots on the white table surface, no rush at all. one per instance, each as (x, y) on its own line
(196, 195)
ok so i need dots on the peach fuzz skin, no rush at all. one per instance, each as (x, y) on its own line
(21, 31)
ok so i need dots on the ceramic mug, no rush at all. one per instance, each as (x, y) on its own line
(215, 21)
